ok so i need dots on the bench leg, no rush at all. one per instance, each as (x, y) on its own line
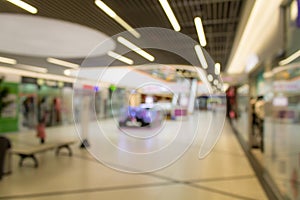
(65, 147)
(23, 156)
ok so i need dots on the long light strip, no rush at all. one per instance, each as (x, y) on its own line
(21, 72)
(165, 5)
(200, 31)
(62, 63)
(252, 41)
(120, 57)
(135, 48)
(8, 60)
(201, 56)
(290, 58)
(32, 68)
(24, 6)
(217, 68)
(118, 19)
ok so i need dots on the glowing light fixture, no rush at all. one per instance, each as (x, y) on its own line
(24, 5)
(200, 31)
(294, 11)
(8, 60)
(201, 56)
(135, 48)
(290, 58)
(166, 6)
(118, 19)
(216, 82)
(252, 41)
(217, 68)
(10, 70)
(62, 63)
(210, 78)
(67, 72)
(120, 57)
(32, 68)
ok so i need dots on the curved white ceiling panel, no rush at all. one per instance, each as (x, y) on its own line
(45, 37)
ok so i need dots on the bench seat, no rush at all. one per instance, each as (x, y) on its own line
(30, 151)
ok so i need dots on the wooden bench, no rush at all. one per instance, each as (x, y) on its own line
(30, 151)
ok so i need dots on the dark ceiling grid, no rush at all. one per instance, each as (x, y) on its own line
(224, 28)
(220, 19)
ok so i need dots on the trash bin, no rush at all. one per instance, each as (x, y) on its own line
(5, 156)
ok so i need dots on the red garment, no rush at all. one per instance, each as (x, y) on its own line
(41, 133)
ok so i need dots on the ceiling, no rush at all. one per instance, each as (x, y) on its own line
(220, 20)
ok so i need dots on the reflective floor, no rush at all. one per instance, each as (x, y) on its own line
(224, 174)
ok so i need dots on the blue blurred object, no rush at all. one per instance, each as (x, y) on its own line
(138, 116)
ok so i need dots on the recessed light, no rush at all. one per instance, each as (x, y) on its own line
(210, 78)
(8, 60)
(24, 5)
(217, 68)
(201, 56)
(32, 68)
(118, 19)
(200, 31)
(167, 8)
(120, 57)
(135, 48)
(62, 63)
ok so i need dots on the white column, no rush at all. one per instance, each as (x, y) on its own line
(85, 118)
(193, 93)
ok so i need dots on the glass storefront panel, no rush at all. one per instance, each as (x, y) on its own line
(282, 138)
(242, 120)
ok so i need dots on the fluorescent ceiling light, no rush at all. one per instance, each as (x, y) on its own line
(210, 78)
(24, 6)
(294, 10)
(170, 14)
(201, 57)
(217, 68)
(32, 68)
(105, 8)
(200, 31)
(135, 48)
(118, 19)
(290, 58)
(62, 63)
(252, 41)
(8, 60)
(21, 72)
(120, 57)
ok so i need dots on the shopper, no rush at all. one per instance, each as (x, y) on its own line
(41, 133)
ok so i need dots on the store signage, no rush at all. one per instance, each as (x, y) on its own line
(51, 83)
(29, 80)
(287, 86)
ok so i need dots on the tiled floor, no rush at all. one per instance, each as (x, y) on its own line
(224, 174)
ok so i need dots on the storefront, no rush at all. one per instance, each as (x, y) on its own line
(9, 105)
(268, 114)
(281, 134)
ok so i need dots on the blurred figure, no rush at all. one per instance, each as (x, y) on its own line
(41, 133)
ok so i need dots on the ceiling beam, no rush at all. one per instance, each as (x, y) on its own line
(208, 22)
(202, 2)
